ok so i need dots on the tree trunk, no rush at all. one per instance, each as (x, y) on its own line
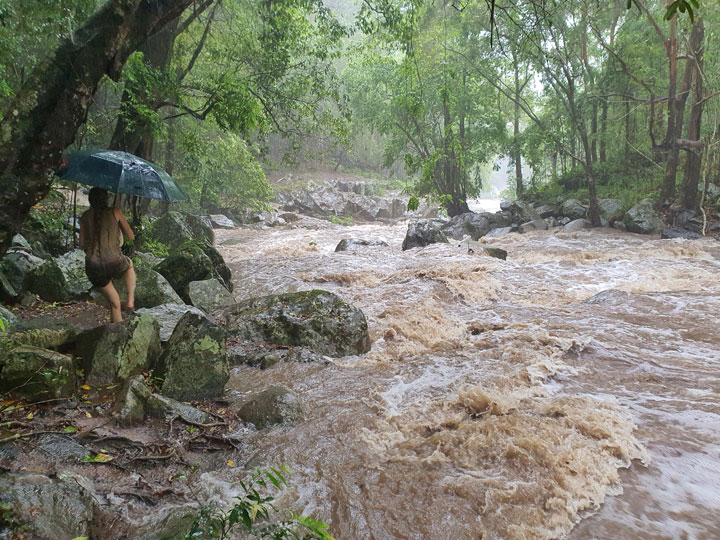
(627, 133)
(516, 133)
(693, 162)
(594, 131)
(48, 121)
(603, 131)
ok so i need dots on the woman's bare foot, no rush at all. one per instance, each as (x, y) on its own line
(126, 307)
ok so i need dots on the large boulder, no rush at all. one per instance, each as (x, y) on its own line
(60, 279)
(423, 233)
(679, 233)
(642, 218)
(545, 211)
(152, 289)
(577, 225)
(194, 363)
(316, 319)
(45, 332)
(7, 318)
(175, 228)
(59, 507)
(609, 209)
(354, 244)
(16, 269)
(209, 295)
(535, 225)
(116, 351)
(474, 225)
(275, 405)
(220, 221)
(573, 209)
(37, 374)
(500, 231)
(168, 316)
(193, 262)
(520, 212)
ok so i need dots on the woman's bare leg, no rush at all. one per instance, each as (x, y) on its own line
(113, 298)
(130, 281)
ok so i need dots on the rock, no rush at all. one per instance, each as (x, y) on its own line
(19, 241)
(643, 219)
(713, 191)
(194, 364)
(609, 296)
(131, 399)
(609, 209)
(175, 229)
(275, 405)
(157, 405)
(496, 252)
(45, 332)
(7, 317)
(316, 319)
(263, 357)
(51, 508)
(37, 374)
(151, 290)
(564, 221)
(61, 447)
(546, 211)
(573, 209)
(473, 225)
(209, 295)
(551, 222)
(116, 351)
(168, 316)
(499, 231)
(536, 225)
(220, 269)
(577, 225)
(520, 212)
(423, 233)
(220, 221)
(16, 269)
(679, 233)
(61, 278)
(184, 265)
(354, 244)
(289, 217)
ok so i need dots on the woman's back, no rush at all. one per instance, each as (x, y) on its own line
(102, 236)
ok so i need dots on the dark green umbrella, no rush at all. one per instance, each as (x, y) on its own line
(120, 172)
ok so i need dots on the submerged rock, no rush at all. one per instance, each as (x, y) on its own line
(474, 225)
(194, 364)
(316, 319)
(423, 233)
(354, 244)
(679, 233)
(275, 405)
(37, 374)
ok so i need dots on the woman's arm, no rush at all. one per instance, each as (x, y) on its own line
(124, 225)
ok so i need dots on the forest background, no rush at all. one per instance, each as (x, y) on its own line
(593, 98)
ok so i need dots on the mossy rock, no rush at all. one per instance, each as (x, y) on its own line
(37, 374)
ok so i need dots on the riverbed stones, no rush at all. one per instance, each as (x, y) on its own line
(37, 374)
(209, 295)
(355, 244)
(194, 363)
(60, 279)
(168, 316)
(59, 507)
(116, 351)
(423, 233)
(474, 225)
(319, 320)
(642, 218)
(273, 406)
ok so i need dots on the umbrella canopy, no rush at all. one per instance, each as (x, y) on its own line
(120, 172)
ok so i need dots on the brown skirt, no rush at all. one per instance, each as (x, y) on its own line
(101, 271)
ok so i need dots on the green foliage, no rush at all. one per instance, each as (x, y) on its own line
(413, 204)
(348, 220)
(156, 247)
(252, 512)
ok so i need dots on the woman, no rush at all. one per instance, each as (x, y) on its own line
(101, 236)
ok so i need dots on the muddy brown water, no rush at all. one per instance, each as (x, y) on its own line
(570, 391)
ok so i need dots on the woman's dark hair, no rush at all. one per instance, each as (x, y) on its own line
(98, 202)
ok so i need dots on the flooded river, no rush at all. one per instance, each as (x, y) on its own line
(570, 391)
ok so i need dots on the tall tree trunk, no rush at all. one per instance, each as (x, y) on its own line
(65, 88)
(603, 131)
(457, 202)
(516, 133)
(693, 162)
(627, 132)
(594, 131)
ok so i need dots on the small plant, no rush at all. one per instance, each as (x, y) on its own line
(342, 221)
(156, 247)
(251, 514)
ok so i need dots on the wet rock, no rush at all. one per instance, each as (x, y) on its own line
(642, 218)
(7, 317)
(273, 406)
(255, 355)
(61, 447)
(609, 209)
(151, 290)
(546, 211)
(50, 508)
(194, 364)
(16, 270)
(316, 319)
(713, 191)
(37, 374)
(61, 279)
(499, 231)
(158, 405)
(19, 241)
(209, 295)
(168, 316)
(573, 209)
(354, 244)
(220, 221)
(679, 233)
(474, 225)
(577, 225)
(610, 296)
(536, 225)
(496, 252)
(193, 262)
(423, 233)
(131, 400)
(116, 351)
(175, 229)
(551, 222)
(289, 217)
(45, 332)
(520, 212)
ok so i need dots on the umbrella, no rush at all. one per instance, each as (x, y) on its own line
(120, 172)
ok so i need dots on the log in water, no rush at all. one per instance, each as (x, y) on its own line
(570, 391)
